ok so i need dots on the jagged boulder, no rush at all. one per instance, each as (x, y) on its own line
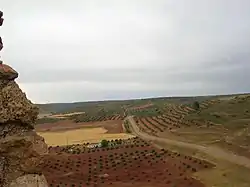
(7, 73)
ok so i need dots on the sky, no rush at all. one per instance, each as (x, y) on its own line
(82, 50)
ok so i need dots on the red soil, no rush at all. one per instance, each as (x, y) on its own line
(124, 165)
(112, 126)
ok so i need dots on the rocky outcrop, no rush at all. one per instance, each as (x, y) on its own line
(21, 149)
(6, 72)
(14, 106)
(30, 180)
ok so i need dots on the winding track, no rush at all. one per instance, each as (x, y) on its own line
(211, 151)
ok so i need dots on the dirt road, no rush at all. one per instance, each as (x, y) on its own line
(211, 151)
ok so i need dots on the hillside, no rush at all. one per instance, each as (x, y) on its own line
(218, 128)
(228, 122)
(82, 106)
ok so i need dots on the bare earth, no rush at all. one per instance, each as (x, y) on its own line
(209, 150)
(67, 132)
(113, 126)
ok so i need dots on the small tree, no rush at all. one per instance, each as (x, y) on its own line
(104, 143)
(196, 105)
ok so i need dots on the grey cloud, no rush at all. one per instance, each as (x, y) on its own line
(167, 47)
(215, 74)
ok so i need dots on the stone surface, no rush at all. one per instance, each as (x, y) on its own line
(13, 129)
(3, 164)
(7, 72)
(38, 143)
(21, 149)
(18, 156)
(30, 180)
(14, 106)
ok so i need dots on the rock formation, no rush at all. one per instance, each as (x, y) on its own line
(21, 149)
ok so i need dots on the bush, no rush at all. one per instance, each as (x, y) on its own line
(126, 125)
(104, 143)
(196, 105)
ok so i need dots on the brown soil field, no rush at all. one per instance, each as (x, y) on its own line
(79, 136)
(139, 165)
(67, 132)
(112, 126)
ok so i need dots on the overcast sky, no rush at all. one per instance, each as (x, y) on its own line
(82, 50)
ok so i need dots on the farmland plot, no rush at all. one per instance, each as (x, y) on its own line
(127, 164)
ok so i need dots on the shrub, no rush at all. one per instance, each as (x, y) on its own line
(104, 143)
(196, 105)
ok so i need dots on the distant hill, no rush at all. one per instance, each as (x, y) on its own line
(83, 106)
(54, 107)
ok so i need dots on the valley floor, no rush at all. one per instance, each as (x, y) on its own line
(232, 170)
